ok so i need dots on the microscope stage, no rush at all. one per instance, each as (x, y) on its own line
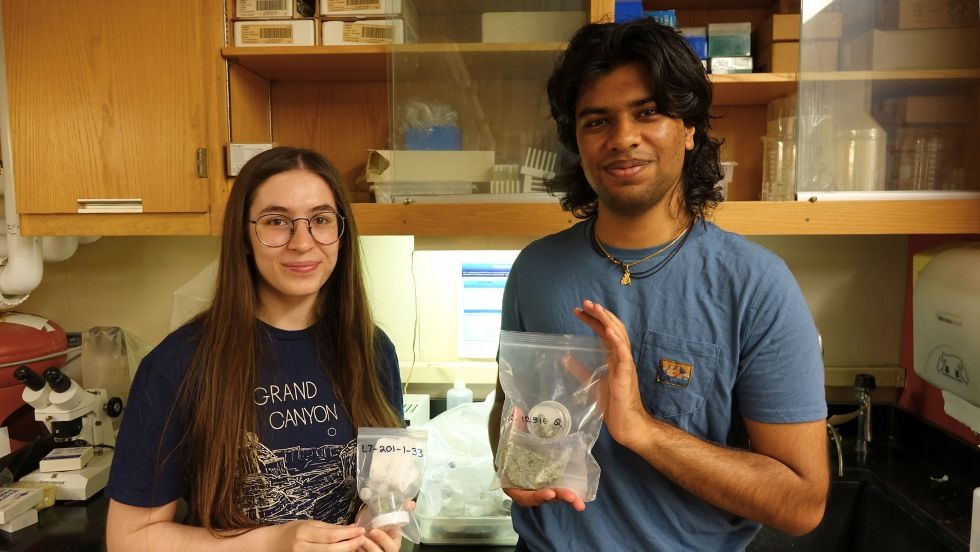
(77, 484)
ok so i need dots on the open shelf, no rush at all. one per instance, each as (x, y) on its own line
(484, 61)
(899, 77)
(412, 61)
(900, 83)
(751, 88)
(755, 218)
(313, 63)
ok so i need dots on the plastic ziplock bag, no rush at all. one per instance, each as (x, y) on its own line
(552, 411)
(110, 357)
(390, 462)
(459, 470)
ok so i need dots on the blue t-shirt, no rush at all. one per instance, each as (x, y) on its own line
(302, 463)
(720, 333)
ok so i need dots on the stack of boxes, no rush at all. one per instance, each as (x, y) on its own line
(777, 44)
(275, 23)
(18, 508)
(730, 47)
(778, 48)
(773, 47)
(930, 129)
(332, 22)
(722, 47)
(371, 22)
(917, 34)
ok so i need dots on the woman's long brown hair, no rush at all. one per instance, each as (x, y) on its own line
(215, 399)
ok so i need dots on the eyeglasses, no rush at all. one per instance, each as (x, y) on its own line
(275, 230)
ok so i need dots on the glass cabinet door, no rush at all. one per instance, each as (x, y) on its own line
(470, 113)
(888, 100)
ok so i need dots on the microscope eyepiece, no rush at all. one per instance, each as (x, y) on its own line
(29, 377)
(58, 381)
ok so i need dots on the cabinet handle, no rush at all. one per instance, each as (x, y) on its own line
(202, 162)
(110, 205)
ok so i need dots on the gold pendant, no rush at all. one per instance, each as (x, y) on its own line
(625, 280)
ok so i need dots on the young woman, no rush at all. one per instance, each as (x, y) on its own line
(250, 411)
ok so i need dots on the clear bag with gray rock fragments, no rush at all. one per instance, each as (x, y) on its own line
(552, 411)
(390, 462)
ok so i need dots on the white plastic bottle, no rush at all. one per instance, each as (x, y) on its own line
(458, 395)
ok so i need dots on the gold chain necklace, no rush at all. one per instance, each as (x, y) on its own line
(625, 280)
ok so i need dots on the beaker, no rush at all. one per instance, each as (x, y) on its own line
(921, 157)
(861, 160)
(778, 168)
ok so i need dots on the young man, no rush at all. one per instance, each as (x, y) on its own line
(716, 409)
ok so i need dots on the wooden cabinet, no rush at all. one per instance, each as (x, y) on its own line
(115, 101)
(339, 99)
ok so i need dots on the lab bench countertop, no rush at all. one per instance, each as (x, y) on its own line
(80, 527)
(932, 471)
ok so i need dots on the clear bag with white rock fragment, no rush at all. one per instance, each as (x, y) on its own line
(390, 462)
(552, 411)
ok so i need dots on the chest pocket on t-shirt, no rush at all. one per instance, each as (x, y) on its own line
(675, 374)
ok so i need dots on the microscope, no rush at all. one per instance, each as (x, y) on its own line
(76, 417)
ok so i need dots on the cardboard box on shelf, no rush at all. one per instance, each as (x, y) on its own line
(926, 14)
(429, 166)
(778, 27)
(403, 9)
(925, 110)
(778, 57)
(910, 49)
(362, 7)
(281, 32)
(531, 26)
(274, 9)
(367, 31)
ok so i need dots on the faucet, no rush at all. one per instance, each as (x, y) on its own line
(835, 435)
(864, 385)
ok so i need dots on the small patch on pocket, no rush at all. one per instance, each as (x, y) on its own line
(672, 372)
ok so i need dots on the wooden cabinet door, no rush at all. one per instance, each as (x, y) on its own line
(107, 101)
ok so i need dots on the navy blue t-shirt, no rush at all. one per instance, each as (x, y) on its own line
(302, 463)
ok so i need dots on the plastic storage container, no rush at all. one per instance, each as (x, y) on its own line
(729, 39)
(492, 530)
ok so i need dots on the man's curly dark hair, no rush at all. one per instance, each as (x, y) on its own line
(681, 90)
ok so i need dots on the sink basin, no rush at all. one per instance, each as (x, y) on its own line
(862, 517)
